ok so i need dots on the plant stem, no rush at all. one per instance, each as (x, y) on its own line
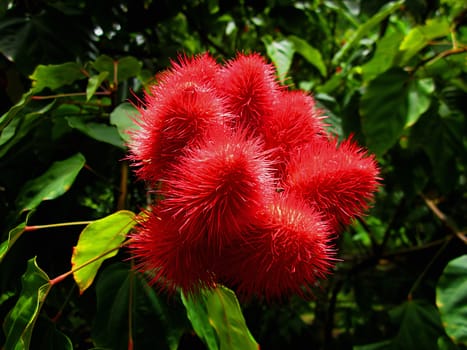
(445, 219)
(130, 308)
(62, 224)
(90, 261)
(71, 94)
(426, 269)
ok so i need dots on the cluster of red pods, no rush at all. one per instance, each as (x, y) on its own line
(253, 189)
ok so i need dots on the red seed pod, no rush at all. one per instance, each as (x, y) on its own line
(163, 252)
(294, 122)
(217, 188)
(175, 119)
(286, 252)
(338, 180)
(249, 86)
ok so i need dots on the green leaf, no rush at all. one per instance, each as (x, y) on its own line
(47, 336)
(281, 54)
(17, 128)
(383, 345)
(13, 236)
(419, 99)
(445, 343)
(14, 110)
(20, 321)
(156, 322)
(128, 67)
(122, 118)
(384, 109)
(420, 326)
(97, 238)
(421, 36)
(98, 131)
(93, 84)
(311, 54)
(103, 64)
(384, 56)
(364, 29)
(217, 318)
(54, 76)
(199, 318)
(52, 184)
(451, 299)
(446, 137)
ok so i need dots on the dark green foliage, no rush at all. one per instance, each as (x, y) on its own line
(391, 73)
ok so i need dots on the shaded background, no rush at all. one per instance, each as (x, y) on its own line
(393, 74)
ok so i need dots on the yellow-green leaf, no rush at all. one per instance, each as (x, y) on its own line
(99, 241)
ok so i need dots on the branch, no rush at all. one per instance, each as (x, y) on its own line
(446, 220)
(428, 61)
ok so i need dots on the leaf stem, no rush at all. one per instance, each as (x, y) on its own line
(71, 94)
(426, 269)
(62, 307)
(61, 224)
(90, 261)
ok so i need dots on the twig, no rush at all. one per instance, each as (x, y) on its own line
(445, 219)
(71, 94)
(426, 269)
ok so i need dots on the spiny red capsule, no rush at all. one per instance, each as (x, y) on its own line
(293, 123)
(172, 120)
(217, 187)
(249, 86)
(284, 254)
(338, 180)
(173, 263)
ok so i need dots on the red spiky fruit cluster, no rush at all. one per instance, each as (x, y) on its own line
(253, 188)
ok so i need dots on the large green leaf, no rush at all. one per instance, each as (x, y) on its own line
(311, 54)
(281, 54)
(99, 237)
(128, 67)
(103, 64)
(420, 328)
(451, 298)
(364, 29)
(157, 323)
(54, 76)
(217, 318)
(446, 137)
(52, 184)
(98, 131)
(122, 118)
(20, 321)
(421, 36)
(384, 56)
(384, 109)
